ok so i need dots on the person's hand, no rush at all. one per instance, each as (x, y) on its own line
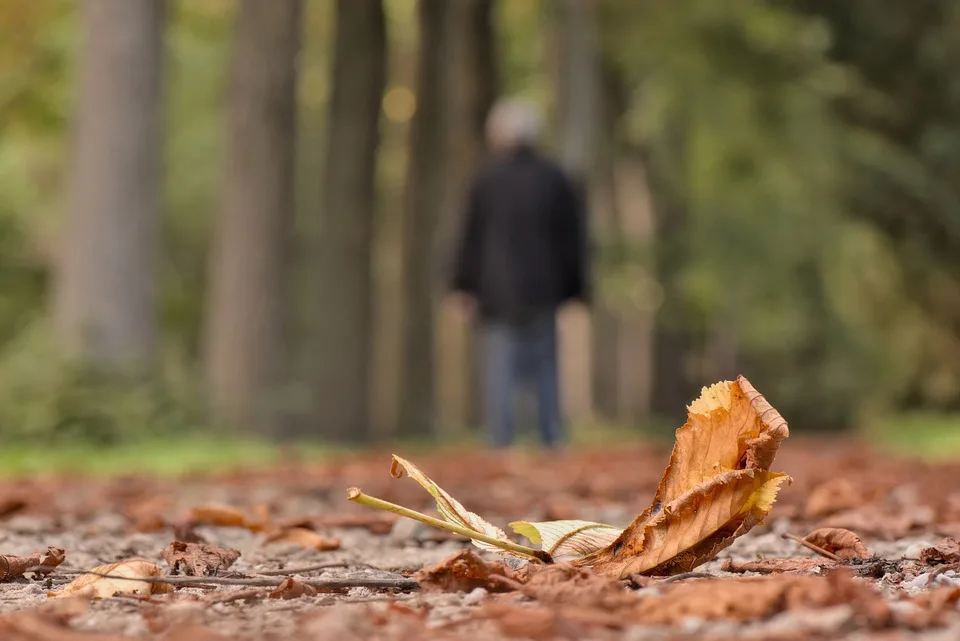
(461, 304)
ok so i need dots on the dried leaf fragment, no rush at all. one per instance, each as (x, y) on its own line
(946, 551)
(449, 508)
(558, 538)
(198, 559)
(839, 541)
(219, 515)
(293, 589)
(13, 567)
(464, 572)
(122, 577)
(304, 538)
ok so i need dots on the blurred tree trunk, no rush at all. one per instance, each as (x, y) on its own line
(245, 323)
(580, 100)
(342, 322)
(423, 199)
(104, 298)
(470, 89)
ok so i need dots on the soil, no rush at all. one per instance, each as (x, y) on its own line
(898, 507)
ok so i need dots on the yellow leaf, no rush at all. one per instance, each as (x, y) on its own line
(717, 486)
(569, 536)
(450, 509)
(92, 585)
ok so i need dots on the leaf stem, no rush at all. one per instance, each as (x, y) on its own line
(357, 496)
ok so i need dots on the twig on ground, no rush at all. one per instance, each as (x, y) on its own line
(399, 583)
(319, 566)
(684, 576)
(810, 546)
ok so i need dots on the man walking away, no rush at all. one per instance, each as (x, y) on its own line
(522, 255)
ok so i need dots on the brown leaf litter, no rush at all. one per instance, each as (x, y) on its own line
(198, 559)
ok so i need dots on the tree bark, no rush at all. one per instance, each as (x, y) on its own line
(580, 102)
(342, 320)
(104, 298)
(471, 87)
(423, 199)
(245, 322)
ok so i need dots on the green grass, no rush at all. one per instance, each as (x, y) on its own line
(173, 456)
(928, 435)
(934, 437)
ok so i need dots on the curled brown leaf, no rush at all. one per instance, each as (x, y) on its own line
(842, 542)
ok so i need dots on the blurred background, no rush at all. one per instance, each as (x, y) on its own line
(232, 220)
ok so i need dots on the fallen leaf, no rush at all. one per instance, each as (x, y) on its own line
(839, 541)
(148, 515)
(13, 567)
(568, 536)
(449, 508)
(717, 486)
(946, 551)
(293, 589)
(776, 566)
(463, 572)
(304, 538)
(525, 622)
(757, 598)
(92, 585)
(219, 515)
(832, 496)
(198, 559)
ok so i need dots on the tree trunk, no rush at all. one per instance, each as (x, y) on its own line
(580, 113)
(423, 198)
(471, 86)
(245, 323)
(104, 297)
(342, 320)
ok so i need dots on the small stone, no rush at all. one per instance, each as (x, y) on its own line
(917, 583)
(475, 597)
(914, 549)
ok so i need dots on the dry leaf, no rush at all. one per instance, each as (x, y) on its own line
(569, 536)
(293, 589)
(946, 551)
(304, 538)
(92, 585)
(839, 541)
(148, 515)
(449, 507)
(13, 567)
(832, 496)
(198, 559)
(464, 572)
(755, 598)
(219, 515)
(717, 486)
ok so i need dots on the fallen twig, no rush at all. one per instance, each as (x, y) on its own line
(319, 566)
(810, 546)
(398, 583)
(684, 576)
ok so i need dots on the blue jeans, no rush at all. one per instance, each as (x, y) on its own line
(515, 353)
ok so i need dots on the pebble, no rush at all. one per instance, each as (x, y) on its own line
(475, 597)
(914, 549)
(918, 582)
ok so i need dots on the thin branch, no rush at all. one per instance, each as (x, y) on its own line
(398, 583)
(810, 546)
(319, 566)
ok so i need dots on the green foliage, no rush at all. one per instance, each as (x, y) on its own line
(44, 398)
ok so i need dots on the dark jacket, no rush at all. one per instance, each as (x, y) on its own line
(523, 249)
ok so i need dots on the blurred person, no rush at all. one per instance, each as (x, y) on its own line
(521, 256)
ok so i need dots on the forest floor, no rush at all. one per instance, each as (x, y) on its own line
(288, 518)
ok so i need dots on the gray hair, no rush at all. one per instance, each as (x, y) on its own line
(513, 122)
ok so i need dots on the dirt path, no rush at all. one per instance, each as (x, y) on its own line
(899, 508)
